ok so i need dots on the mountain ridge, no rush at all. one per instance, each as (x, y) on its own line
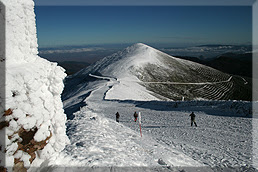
(143, 67)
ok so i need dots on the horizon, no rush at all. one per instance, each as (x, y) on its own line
(172, 26)
(124, 45)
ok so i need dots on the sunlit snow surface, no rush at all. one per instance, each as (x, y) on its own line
(99, 141)
(222, 139)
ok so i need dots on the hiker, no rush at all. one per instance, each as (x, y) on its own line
(117, 117)
(135, 116)
(193, 119)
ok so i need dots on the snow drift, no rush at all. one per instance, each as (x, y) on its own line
(32, 117)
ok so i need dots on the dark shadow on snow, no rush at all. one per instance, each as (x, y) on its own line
(72, 109)
(155, 126)
(167, 126)
(227, 108)
(76, 83)
(70, 128)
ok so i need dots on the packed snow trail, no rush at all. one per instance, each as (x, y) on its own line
(177, 160)
(221, 138)
(97, 141)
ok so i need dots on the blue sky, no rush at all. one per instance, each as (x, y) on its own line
(147, 2)
(158, 25)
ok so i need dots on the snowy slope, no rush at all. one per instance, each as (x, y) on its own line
(119, 83)
(97, 141)
(32, 121)
(120, 65)
(221, 142)
(223, 138)
(149, 74)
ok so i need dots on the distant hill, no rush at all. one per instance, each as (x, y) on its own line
(236, 64)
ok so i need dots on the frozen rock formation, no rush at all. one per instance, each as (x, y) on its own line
(32, 120)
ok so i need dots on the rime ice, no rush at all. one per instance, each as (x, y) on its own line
(32, 95)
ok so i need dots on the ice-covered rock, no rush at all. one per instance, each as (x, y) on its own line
(32, 119)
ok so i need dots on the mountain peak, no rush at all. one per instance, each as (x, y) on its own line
(139, 48)
(140, 45)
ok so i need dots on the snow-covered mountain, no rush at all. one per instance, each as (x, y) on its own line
(136, 79)
(119, 83)
(145, 73)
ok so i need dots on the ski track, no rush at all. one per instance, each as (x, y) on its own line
(223, 141)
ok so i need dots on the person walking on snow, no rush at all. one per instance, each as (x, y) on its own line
(135, 116)
(117, 117)
(193, 119)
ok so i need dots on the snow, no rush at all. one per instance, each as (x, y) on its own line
(121, 66)
(255, 135)
(33, 85)
(222, 138)
(133, 91)
(232, 136)
(141, 68)
(97, 141)
(37, 100)
(132, 57)
(33, 88)
(108, 143)
(21, 43)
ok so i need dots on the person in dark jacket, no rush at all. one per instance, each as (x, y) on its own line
(117, 117)
(192, 115)
(135, 116)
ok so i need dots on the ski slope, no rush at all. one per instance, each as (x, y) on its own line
(222, 139)
(97, 141)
